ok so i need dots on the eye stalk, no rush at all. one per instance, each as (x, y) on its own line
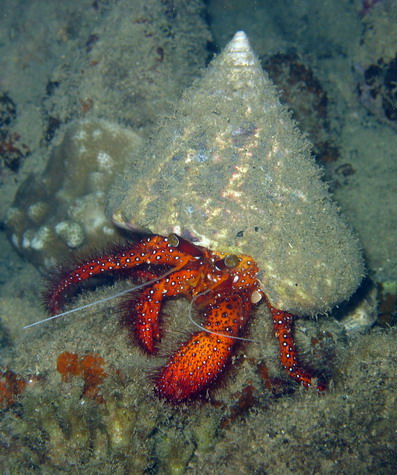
(173, 240)
(184, 246)
(228, 262)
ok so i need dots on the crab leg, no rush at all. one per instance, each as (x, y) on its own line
(153, 250)
(283, 326)
(143, 312)
(201, 360)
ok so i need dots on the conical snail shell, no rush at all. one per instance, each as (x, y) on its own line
(232, 171)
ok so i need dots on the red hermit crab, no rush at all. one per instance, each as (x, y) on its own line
(223, 286)
(233, 176)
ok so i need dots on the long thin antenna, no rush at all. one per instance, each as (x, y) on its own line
(210, 331)
(131, 289)
(97, 302)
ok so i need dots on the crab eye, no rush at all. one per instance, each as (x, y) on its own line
(173, 240)
(184, 245)
(227, 262)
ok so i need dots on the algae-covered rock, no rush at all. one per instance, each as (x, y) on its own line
(252, 424)
(232, 171)
(135, 62)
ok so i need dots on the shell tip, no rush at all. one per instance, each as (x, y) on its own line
(239, 42)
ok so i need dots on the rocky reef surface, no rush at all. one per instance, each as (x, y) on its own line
(87, 402)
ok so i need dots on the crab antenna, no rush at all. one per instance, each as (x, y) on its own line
(97, 302)
(210, 331)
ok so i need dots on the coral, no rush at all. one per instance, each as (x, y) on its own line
(63, 208)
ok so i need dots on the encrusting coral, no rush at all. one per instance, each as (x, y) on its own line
(62, 209)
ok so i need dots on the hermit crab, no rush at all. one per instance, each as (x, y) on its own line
(232, 178)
